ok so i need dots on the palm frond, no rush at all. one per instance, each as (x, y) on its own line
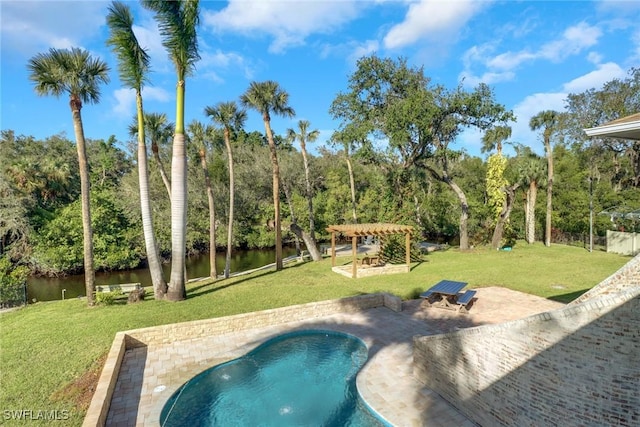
(133, 60)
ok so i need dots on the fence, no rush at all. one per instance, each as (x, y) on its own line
(620, 242)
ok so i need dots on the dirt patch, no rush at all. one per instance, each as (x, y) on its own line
(79, 392)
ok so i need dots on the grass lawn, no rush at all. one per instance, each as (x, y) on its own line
(51, 353)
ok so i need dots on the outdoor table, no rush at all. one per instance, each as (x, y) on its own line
(444, 294)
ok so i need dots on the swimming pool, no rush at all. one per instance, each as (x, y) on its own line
(305, 378)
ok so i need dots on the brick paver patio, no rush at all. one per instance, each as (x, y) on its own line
(150, 375)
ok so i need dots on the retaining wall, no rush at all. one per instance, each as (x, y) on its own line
(576, 366)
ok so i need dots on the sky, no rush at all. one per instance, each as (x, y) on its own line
(532, 53)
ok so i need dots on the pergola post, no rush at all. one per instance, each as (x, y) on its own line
(407, 240)
(333, 249)
(354, 249)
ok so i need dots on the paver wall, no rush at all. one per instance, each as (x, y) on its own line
(576, 366)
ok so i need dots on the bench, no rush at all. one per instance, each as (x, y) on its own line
(464, 299)
(124, 288)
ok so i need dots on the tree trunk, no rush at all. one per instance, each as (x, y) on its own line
(227, 264)
(276, 193)
(213, 271)
(313, 250)
(177, 286)
(151, 247)
(287, 195)
(464, 214)
(547, 237)
(530, 212)
(85, 190)
(352, 182)
(503, 219)
(312, 232)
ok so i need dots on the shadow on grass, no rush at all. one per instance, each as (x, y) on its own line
(568, 297)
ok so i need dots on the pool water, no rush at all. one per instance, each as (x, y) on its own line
(305, 378)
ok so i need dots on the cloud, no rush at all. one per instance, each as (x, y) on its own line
(595, 79)
(429, 18)
(501, 67)
(289, 23)
(529, 107)
(28, 27)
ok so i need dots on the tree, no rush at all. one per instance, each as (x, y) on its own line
(158, 130)
(78, 74)
(548, 122)
(392, 100)
(178, 22)
(532, 175)
(133, 66)
(304, 136)
(343, 139)
(267, 97)
(231, 118)
(199, 134)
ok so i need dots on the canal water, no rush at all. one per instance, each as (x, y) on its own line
(56, 288)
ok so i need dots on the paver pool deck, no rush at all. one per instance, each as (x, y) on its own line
(150, 375)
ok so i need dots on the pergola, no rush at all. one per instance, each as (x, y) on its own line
(358, 230)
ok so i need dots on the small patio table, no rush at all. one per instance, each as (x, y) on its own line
(444, 294)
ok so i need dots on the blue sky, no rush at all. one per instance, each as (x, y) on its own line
(533, 53)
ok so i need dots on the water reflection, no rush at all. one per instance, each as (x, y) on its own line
(49, 289)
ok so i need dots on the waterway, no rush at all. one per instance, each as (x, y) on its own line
(56, 288)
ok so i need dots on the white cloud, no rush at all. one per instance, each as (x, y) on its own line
(529, 107)
(366, 48)
(28, 27)
(595, 79)
(289, 23)
(488, 78)
(428, 18)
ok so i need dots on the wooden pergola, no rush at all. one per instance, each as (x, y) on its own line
(358, 230)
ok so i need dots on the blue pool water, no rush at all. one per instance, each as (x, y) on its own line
(305, 378)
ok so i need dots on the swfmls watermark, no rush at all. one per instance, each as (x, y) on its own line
(35, 415)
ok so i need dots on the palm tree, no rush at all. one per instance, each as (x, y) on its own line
(157, 129)
(343, 139)
(133, 65)
(199, 134)
(548, 121)
(531, 173)
(230, 117)
(304, 136)
(494, 137)
(76, 73)
(177, 22)
(267, 97)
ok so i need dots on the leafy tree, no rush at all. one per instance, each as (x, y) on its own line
(77, 74)
(178, 22)
(548, 122)
(267, 97)
(231, 118)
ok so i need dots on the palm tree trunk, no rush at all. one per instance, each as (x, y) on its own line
(227, 264)
(352, 183)
(177, 285)
(530, 212)
(547, 237)
(153, 259)
(503, 219)
(213, 271)
(312, 232)
(276, 194)
(85, 190)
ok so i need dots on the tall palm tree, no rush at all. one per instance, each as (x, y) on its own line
(157, 129)
(133, 66)
(494, 138)
(267, 97)
(230, 117)
(548, 121)
(76, 73)
(342, 138)
(177, 21)
(199, 135)
(304, 136)
(531, 173)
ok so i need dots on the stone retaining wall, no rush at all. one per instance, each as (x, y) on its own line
(574, 366)
(165, 334)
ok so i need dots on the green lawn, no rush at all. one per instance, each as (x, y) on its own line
(48, 349)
